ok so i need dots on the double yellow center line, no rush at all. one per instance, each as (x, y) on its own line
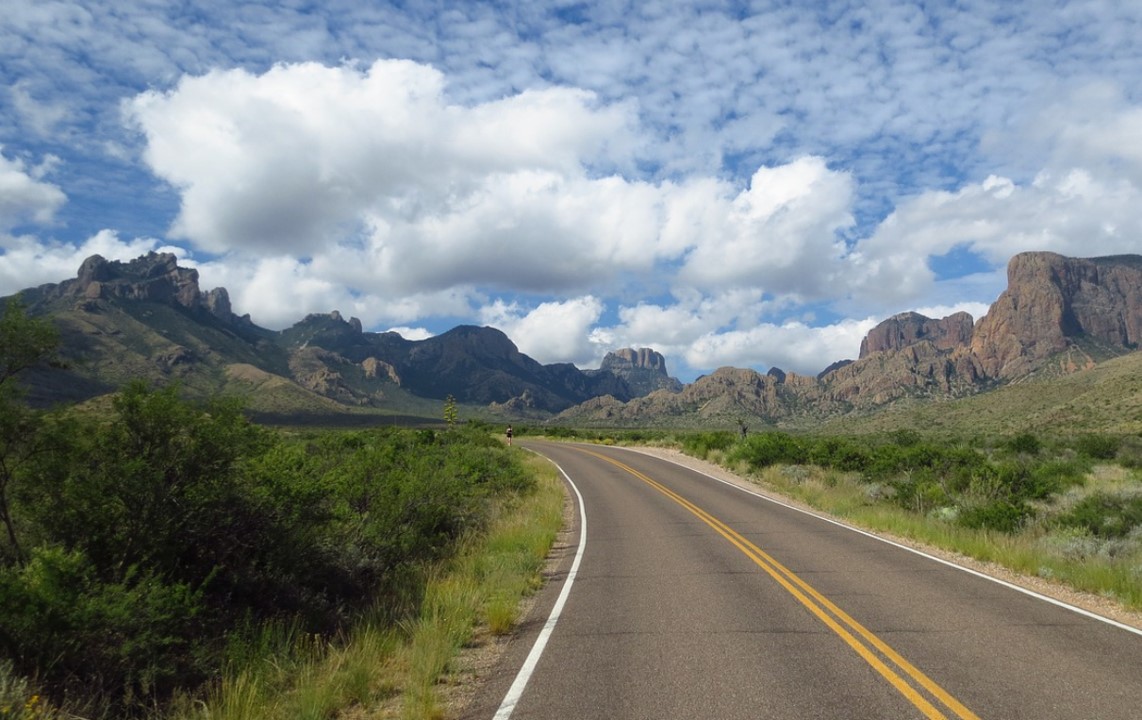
(901, 674)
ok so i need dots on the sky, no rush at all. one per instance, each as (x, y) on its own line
(747, 184)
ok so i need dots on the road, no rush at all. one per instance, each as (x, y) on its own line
(694, 599)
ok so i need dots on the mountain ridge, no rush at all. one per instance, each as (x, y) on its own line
(1058, 315)
(148, 318)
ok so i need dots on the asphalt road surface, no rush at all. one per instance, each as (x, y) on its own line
(690, 598)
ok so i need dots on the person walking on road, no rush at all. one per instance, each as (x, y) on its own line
(509, 434)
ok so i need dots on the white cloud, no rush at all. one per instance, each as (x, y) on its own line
(279, 291)
(24, 196)
(41, 118)
(938, 312)
(552, 331)
(411, 333)
(303, 155)
(779, 234)
(791, 346)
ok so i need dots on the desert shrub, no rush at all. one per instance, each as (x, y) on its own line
(1097, 447)
(1017, 481)
(956, 463)
(1105, 515)
(1024, 443)
(839, 454)
(1130, 452)
(82, 634)
(1002, 515)
(919, 490)
(700, 444)
(158, 532)
(1059, 474)
(905, 437)
(770, 448)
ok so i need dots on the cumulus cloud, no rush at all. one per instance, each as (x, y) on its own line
(304, 154)
(551, 332)
(790, 346)
(779, 234)
(24, 195)
(368, 187)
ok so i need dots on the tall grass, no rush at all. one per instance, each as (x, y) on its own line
(383, 668)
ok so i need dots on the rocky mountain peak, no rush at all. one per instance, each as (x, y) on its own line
(909, 328)
(1053, 301)
(629, 358)
(644, 370)
(154, 277)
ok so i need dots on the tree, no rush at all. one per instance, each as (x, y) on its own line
(24, 343)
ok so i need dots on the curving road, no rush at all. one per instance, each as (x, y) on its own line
(694, 599)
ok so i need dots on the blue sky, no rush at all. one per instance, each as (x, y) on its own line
(752, 184)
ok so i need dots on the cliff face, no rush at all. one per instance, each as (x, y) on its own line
(1050, 302)
(154, 277)
(643, 370)
(900, 331)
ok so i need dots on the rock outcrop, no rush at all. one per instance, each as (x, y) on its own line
(643, 370)
(1052, 302)
(154, 277)
(900, 331)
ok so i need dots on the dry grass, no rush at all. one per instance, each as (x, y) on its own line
(377, 671)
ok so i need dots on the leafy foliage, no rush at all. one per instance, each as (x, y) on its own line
(1106, 515)
(701, 443)
(961, 482)
(156, 535)
(24, 343)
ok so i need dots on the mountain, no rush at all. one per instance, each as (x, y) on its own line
(1055, 304)
(1058, 315)
(644, 370)
(148, 319)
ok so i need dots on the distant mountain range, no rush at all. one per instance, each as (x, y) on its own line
(148, 318)
(1058, 315)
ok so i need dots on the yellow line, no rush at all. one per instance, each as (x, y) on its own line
(802, 591)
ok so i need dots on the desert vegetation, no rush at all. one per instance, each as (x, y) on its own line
(163, 550)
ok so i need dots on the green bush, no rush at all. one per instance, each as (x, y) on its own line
(1105, 515)
(78, 632)
(1024, 443)
(700, 444)
(839, 454)
(770, 448)
(1002, 515)
(1098, 447)
(156, 534)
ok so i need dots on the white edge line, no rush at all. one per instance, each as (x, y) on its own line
(921, 553)
(516, 690)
